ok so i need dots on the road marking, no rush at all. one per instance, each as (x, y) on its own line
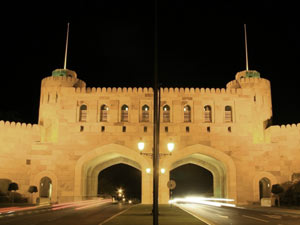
(226, 217)
(254, 218)
(110, 218)
(198, 217)
(274, 216)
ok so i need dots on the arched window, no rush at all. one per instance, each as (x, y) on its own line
(103, 113)
(228, 114)
(264, 188)
(187, 113)
(207, 114)
(82, 113)
(145, 113)
(166, 113)
(124, 113)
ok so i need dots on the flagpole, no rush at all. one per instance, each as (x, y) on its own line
(66, 50)
(246, 48)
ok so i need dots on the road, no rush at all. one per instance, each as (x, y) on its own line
(64, 214)
(214, 215)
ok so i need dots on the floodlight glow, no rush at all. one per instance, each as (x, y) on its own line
(162, 170)
(141, 146)
(148, 170)
(171, 146)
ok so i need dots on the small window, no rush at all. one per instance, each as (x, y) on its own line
(145, 113)
(145, 129)
(166, 114)
(208, 129)
(187, 113)
(187, 129)
(102, 128)
(166, 129)
(229, 129)
(123, 129)
(81, 128)
(103, 113)
(207, 114)
(124, 113)
(82, 113)
(28, 161)
(228, 114)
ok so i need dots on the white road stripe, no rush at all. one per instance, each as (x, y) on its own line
(196, 216)
(110, 218)
(254, 218)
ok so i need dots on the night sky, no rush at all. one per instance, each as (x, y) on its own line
(111, 45)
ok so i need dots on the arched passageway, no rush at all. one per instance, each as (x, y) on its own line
(192, 180)
(46, 187)
(264, 188)
(90, 165)
(120, 176)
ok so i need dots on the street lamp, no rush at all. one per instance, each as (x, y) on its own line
(170, 147)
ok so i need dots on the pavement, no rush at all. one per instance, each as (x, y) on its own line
(141, 214)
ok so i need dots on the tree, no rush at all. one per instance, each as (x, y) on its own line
(276, 190)
(13, 187)
(32, 189)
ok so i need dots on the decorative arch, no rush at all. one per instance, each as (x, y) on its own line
(216, 161)
(102, 157)
(257, 177)
(37, 178)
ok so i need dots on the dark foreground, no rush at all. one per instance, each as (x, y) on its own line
(88, 214)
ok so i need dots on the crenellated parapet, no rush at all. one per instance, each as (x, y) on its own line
(135, 90)
(18, 125)
(242, 82)
(284, 133)
(62, 81)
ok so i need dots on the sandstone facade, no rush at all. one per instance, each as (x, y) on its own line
(82, 131)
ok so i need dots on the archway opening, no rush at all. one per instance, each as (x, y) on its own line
(46, 187)
(120, 176)
(264, 188)
(192, 180)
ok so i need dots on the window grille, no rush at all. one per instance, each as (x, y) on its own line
(103, 113)
(124, 113)
(83, 113)
(207, 114)
(166, 114)
(187, 113)
(228, 114)
(145, 113)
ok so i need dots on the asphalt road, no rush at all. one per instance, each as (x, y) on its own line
(73, 215)
(239, 216)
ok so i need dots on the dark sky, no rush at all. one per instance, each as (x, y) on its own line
(111, 45)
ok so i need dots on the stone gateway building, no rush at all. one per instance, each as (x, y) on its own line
(81, 131)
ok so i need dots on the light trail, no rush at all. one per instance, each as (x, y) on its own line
(203, 200)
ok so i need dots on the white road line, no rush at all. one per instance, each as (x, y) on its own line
(274, 216)
(226, 217)
(254, 218)
(110, 218)
(196, 216)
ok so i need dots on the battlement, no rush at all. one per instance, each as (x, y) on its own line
(18, 125)
(66, 80)
(140, 90)
(284, 133)
(246, 80)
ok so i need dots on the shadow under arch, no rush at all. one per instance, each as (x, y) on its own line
(102, 157)
(217, 162)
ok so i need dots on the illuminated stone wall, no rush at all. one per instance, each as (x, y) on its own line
(71, 153)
